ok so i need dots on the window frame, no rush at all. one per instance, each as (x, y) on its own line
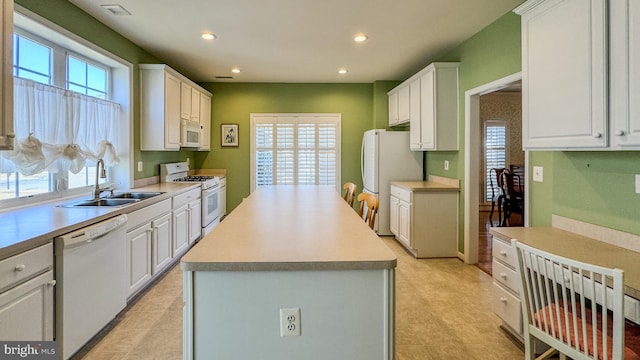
(487, 171)
(295, 118)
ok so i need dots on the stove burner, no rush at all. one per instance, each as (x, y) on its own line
(194, 178)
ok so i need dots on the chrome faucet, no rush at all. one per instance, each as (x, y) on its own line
(100, 175)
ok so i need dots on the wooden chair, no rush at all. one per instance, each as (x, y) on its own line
(349, 193)
(497, 194)
(574, 307)
(513, 196)
(371, 202)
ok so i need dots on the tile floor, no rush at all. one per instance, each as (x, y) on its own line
(442, 312)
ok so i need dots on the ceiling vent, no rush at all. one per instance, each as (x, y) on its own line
(116, 9)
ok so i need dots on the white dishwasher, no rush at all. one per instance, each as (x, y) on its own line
(92, 281)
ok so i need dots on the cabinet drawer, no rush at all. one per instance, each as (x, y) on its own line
(506, 276)
(507, 307)
(401, 193)
(22, 266)
(185, 198)
(503, 252)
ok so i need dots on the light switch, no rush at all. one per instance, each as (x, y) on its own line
(446, 164)
(139, 166)
(537, 173)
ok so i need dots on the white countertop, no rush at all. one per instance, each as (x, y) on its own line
(290, 228)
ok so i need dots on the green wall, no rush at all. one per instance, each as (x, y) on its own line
(70, 17)
(234, 102)
(489, 55)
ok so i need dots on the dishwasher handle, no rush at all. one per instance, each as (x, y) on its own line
(89, 233)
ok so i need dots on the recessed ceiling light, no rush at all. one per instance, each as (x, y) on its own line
(342, 71)
(208, 36)
(235, 71)
(360, 38)
(116, 9)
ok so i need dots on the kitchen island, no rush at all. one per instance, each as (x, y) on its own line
(290, 247)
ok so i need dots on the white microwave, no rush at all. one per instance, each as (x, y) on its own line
(190, 134)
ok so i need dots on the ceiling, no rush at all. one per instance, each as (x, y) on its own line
(299, 40)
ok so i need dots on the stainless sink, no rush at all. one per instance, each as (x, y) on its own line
(102, 202)
(135, 195)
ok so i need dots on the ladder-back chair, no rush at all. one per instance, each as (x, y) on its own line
(349, 193)
(371, 202)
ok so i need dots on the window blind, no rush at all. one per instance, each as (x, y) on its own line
(295, 150)
(495, 152)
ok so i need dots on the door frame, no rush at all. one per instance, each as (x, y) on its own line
(472, 163)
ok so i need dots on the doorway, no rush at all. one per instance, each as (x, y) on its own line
(473, 163)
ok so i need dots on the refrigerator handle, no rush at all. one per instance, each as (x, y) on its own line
(364, 138)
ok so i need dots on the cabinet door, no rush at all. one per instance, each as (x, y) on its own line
(6, 78)
(172, 112)
(415, 125)
(625, 73)
(404, 104)
(185, 101)
(564, 74)
(180, 229)
(394, 207)
(393, 108)
(404, 223)
(195, 220)
(26, 311)
(195, 105)
(161, 243)
(205, 122)
(139, 257)
(427, 111)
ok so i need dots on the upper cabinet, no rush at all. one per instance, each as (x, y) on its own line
(6, 78)
(205, 122)
(579, 60)
(166, 99)
(432, 107)
(399, 107)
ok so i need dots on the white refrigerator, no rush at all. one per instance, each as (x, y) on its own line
(386, 157)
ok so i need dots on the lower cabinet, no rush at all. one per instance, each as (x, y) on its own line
(195, 220)
(186, 220)
(425, 222)
(149, 243)
(26, 300)
(506, 300)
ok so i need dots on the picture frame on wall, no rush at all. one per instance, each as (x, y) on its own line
(229, 134)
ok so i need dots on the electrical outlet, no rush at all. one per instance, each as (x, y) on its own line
(139, 166)
(537, 173)
(446, 164)
(188, 161)
(637, 183)
(290, 322)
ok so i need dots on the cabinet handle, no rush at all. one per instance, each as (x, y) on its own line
(20, 267)
(52, 283)
(619, 133)
(597, 135)
(503, 253)
(503, 275)
(503, 300)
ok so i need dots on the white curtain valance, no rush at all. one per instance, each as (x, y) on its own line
(58, 129)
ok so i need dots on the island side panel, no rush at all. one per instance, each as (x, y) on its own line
(236, 315)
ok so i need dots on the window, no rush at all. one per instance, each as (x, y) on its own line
(495, 151)
(35, 58)
(296, 149)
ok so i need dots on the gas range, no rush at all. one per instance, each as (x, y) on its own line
(179, 172)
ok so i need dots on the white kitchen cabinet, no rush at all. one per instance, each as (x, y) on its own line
(161, 243)
(149, 246)
(160, 108)
(7, 135)
(506, 299)
(399, 105)
(186, 220)
(435, 123)
(564, 74)
(427, 221)
(139, 257)
(625, 73)
(195, 220)
(205, 122)
(26, 297)
(189, 102)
